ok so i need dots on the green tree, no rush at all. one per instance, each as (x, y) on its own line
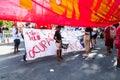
(8, 24)
(1, 23)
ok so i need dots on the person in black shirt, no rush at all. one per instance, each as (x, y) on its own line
(58, 39)
(1, 30)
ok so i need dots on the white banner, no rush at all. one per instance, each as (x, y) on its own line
(40, 43)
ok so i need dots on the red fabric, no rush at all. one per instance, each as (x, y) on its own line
(118, 31)
(15, 24)
(117, 41)
(107, 32)
(109, 42)
(119, 52)
(67, 12)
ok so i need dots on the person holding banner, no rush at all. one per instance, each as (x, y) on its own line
(93, 37)
(87, 40)
(1, 34)
(58, 39)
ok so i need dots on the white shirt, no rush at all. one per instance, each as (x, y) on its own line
(16, 36)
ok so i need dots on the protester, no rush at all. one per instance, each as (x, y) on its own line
(6, 34)
(1, 34)
(117, 43)
(109, 38)
(43, 27)
(87, 41)
(94, 36)
(58, 39)
(21, 31)
(16, 36)
(101, 33)
(27, 25)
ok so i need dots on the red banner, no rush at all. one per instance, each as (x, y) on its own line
(62, 12)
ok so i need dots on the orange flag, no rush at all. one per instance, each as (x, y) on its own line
(27, 4)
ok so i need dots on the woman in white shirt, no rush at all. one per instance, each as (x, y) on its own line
(16, 36)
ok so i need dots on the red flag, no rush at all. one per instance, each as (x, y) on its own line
(62, 12)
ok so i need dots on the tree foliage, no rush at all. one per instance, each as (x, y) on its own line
(1, 22)
(8, 24)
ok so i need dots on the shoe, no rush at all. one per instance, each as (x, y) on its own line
(110, 52)
(61, 57)
(93, 46)
(117, 67)
(85, 55)
(18, 51)
(106, 54)
(24, 57)
(58, 59)
(15, 52)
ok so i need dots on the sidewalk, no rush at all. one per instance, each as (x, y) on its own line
(7, 48)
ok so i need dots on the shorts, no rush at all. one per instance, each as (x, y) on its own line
(94, 36)
(87, 43)
(17, 42)
(58, 45)
(109, 42)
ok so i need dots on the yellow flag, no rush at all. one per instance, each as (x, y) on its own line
(27, 4)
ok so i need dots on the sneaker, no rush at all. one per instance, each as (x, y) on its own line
(85, 55)
(110, 52)
(117, 67)
(58, 59)
(24, 57)
(61, 57)
(18, 51)
(93, 46)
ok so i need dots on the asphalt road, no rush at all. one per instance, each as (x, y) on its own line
(74, 67)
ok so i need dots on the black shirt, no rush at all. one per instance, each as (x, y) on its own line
(88, 30)
(58, 35)
(0, 30)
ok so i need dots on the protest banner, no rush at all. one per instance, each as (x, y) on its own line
(40, 42)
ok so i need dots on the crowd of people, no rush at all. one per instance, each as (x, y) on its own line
(18, 34)
(110, 34)
(4, 36)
